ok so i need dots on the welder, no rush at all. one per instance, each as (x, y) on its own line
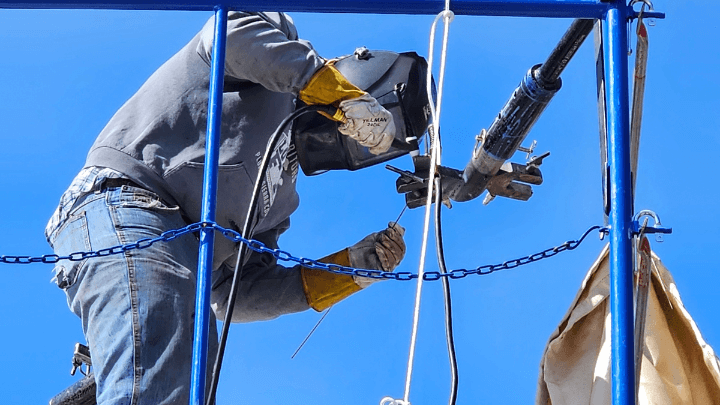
(143, 176)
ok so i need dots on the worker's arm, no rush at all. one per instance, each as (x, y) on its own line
(263, 48)
(268, 290)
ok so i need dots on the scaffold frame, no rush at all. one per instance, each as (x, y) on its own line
(615, 16)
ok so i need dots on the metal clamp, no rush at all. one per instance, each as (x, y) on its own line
(657, 228)
(479, 140)
(529, 150)
(81, 355)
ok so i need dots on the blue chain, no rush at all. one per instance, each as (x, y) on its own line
(279, 254)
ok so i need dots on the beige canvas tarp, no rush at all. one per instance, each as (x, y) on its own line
(678, 367)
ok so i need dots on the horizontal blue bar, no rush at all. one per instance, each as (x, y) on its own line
(519, 8)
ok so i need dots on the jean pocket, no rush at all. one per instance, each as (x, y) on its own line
(72, 237)
(133, 197)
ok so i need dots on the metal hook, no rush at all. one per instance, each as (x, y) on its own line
(648, 213)
(656, 217)
(649, 5)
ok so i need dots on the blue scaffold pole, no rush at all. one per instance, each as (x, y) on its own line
(205, 255)
(620, 218)
(515, 8)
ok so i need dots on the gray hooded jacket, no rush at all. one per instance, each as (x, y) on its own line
(157, 139)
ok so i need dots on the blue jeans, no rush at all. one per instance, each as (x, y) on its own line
(137, 308)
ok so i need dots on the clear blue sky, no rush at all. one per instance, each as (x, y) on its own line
(64, 73)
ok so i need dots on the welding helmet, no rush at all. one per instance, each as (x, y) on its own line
(398, 82)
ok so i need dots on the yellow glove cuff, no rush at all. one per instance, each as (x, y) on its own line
(329, 87)
(324, 289)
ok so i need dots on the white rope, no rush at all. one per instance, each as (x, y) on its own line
(447, 17)
(391, 401)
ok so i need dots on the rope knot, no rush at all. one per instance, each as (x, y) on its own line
(448, 15)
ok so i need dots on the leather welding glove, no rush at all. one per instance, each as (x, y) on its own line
(378, 251)
(363, 118)
(367, 122)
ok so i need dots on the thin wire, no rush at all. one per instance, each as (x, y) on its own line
(447, 15)
(310, 334)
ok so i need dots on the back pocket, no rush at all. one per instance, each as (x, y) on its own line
(72, 237)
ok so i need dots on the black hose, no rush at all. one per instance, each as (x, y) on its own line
(247, 234)
(558, 59)
(446, 293)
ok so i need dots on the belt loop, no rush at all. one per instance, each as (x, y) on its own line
(108, 196)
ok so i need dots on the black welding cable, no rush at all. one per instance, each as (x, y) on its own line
(247, 234)
(446, 293)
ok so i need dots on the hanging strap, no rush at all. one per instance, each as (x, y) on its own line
(638, 96)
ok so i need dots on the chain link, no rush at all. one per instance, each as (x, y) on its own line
(282, 255)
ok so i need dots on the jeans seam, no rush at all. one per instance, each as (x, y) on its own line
(132, 287)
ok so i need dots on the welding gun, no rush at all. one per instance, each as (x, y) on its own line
(488, 168)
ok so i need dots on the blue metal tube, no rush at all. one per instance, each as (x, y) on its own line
(620, 217)
(519, 8)
(207, 236)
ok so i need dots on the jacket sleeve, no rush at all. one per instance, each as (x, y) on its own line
(263, 48)
(267, 289)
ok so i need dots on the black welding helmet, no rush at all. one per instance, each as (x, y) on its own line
(398, 82)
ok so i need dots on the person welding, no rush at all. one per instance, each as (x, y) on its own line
(143, 176)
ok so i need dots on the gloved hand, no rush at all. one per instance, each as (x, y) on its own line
(362, 117)
(367, 122)
(378, 251)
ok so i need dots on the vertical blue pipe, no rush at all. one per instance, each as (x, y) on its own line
(207, 236)
(621, 277)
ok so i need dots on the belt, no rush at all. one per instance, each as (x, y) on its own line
(117, 183)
